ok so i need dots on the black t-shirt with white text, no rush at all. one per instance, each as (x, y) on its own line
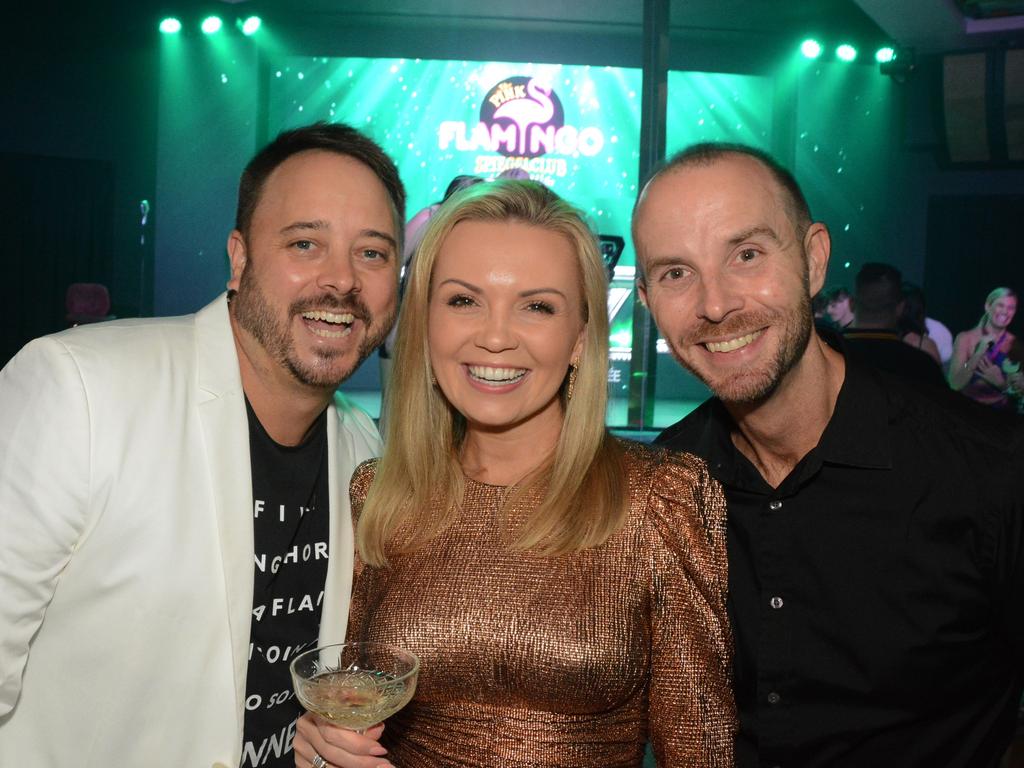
(290, 533)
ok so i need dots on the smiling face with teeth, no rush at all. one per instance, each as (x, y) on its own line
(505, 320)
(728, 275)
(1000, 311)
(316, 275)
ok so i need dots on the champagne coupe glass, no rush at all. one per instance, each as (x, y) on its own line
(355, 685)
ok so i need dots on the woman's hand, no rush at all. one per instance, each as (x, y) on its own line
(339, 747)
(984, 344)
(991, 373)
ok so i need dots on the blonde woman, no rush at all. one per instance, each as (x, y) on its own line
(564, 590)
(979, 353)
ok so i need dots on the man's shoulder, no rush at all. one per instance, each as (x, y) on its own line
(941, 335)
(113, 345)
(143, 340)
(99, 334)
(888, 352)
(927, 412)
(687, 433)
(360, 428)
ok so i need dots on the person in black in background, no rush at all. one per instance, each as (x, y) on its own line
(874, 336)
(913, 324)
(875, 537)
(819, 306)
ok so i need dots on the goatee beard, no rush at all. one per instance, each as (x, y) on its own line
(754, 386)
(257, 316)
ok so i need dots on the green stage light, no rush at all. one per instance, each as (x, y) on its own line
(810, 48)
(211, 24)
(882, 55)
(250, 25)
(846, 52)
(170, 26)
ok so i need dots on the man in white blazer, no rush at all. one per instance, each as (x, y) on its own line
(127, 511)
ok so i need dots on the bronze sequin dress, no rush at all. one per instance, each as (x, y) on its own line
(571, 661)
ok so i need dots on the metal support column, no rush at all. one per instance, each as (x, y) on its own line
(643, 361)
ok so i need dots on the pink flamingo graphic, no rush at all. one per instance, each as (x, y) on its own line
(535, 110)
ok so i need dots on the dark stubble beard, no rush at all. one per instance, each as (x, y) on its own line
(756, 386)
(255, 314)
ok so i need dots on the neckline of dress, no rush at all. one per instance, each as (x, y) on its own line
(473, 481)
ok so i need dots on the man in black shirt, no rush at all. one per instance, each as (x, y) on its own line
(872, 337)
(876, 537)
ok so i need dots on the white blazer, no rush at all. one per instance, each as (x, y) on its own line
(126, 545)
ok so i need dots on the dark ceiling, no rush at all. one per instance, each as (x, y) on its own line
(929, 25)
(990, 9)
(750, 16)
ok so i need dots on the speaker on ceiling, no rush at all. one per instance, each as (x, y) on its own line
(983, 108)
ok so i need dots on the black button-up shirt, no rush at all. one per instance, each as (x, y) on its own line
(886, 350)
(876, 594)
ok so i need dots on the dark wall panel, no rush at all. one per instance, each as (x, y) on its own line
(973, 247)
(60, 214)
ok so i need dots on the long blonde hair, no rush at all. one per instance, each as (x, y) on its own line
(419, 483)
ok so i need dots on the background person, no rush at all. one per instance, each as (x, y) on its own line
(943, 338)
(819, 307)
(873, 336)
(913, 326)
(838, 308)
(417, 225)
(979, 353)
(414, 230)
(564, 590)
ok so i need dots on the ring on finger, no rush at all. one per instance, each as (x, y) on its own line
(319, 762)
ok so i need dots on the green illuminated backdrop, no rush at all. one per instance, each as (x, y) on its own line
(701, 106)
(705, 106)
(425, 113)
(836, 125)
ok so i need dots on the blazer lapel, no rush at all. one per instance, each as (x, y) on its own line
(338, 589)
(226, 434)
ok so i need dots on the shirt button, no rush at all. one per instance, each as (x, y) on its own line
(776, 602)
(774, 698)
(775, 505)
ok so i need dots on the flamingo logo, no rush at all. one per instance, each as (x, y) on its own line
(521, 118)
(524, 107)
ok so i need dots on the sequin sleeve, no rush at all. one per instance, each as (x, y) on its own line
(358, 488)
(692, 713)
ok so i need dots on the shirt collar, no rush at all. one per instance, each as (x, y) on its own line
(856, 435)
(889, 334)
